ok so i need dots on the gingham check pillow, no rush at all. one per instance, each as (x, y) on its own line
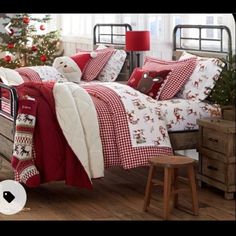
(95, 65)
(181, 71)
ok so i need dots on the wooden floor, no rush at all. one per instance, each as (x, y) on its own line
(118, 196)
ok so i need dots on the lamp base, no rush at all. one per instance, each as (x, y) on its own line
(138, 59)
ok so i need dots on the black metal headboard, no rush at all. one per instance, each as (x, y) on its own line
(114, 35)
(116, 30)
(220, 50)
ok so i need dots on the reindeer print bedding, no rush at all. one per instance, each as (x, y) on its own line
(181, 114)
(146, 126)
(121, 137)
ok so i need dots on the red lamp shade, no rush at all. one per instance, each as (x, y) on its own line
(137, 40)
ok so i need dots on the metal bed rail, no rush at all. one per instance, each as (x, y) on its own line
(12, 101)
(97, 33)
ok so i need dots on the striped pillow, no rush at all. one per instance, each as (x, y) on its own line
(95, 65)
(181, 71)
(28, 74)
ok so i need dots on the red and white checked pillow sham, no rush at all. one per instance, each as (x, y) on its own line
(28, 74)
(95, 65)
(181, 71)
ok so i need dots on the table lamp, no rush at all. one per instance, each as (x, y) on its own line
(136, 41)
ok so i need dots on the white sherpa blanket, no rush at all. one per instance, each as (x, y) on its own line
(77, 117)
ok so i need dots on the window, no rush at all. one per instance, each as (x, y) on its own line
(155, 25)
(82, 24)
(209, 32)
(161, 26)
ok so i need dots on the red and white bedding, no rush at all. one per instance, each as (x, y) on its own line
(117, 128)
(181, 114)
(116, 119)
(115, 135)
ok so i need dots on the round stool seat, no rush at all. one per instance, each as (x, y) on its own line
(171, 161)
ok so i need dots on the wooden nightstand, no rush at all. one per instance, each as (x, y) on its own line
(217, 154)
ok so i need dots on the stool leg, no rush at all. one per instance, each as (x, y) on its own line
(193, 188)
(175, 200)
(167, 190)
(149, 187)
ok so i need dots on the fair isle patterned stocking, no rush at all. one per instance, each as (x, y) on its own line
(23, 153)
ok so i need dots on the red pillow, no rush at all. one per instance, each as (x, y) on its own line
(181, 71)
(148, 82)
(28, 74)
(95, 65)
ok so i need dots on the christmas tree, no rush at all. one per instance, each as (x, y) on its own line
(224, 92)
(26, 42)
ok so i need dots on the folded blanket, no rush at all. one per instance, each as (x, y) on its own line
(55, 159)
(77, 117)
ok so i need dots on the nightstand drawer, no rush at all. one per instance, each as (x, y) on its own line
(214, 140)
(213, 169)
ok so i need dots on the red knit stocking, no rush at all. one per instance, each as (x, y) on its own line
(23, 154)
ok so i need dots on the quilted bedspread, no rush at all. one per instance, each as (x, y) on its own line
(115, 133)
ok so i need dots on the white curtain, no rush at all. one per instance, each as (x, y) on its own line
(77, 29)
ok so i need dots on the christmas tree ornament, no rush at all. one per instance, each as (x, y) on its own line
(42, 27)
(26, 20)
(10, 45)
(7, 58)
(34, 48)
(43, 58)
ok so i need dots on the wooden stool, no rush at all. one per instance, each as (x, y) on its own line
(171, 165)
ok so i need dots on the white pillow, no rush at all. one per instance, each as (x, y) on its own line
(203, 78)
(67, 66)
(113, 67)
(101, 46)
(186, 55)
(10, 77)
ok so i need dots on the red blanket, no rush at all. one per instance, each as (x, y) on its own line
(54, 158)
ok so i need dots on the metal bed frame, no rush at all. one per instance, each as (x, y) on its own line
(97, 34)
(189, 139)
(179, 140)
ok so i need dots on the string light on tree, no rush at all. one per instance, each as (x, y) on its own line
(11, 32)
